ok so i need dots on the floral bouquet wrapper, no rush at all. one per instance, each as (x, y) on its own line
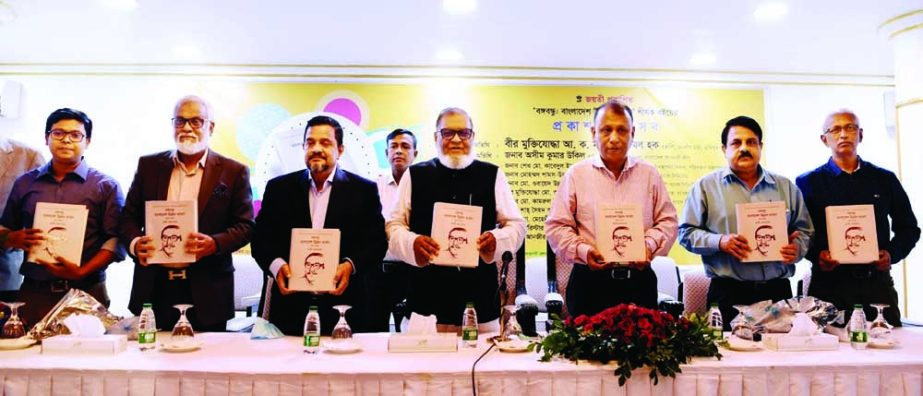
(74, 302)
(769, 317)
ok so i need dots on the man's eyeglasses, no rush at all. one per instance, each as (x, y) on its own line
(58, 134)
(621, 238)
(179, 122)
(838, 130)
(462, 133)
(172, 238)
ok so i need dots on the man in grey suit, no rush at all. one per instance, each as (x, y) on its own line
(221, 188)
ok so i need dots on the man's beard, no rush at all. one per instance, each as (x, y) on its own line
(318, 167)
(456, 161)
(191, 148)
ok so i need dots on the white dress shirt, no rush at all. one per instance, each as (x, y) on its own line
(387, 190)
(509, 235)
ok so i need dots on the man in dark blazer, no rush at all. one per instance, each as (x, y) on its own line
(322, 196)
(221, 189)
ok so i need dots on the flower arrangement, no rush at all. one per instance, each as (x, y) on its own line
(632, 336)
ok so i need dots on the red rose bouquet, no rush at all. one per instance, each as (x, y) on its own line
(633, 337)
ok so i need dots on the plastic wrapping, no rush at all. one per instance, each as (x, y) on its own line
(76, 301)
(769, 317)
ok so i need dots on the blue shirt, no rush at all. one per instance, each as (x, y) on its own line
(86, 186)
(829, 185)
(710, 212)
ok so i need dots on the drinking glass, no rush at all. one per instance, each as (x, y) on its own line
(14, 328)
(182, 331)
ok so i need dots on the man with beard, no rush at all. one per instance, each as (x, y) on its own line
(322, 196)
(454, 176)
(221, 188)
(709, 223)
(67, 179)
(847, 179)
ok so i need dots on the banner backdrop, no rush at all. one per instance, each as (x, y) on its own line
(532, 132)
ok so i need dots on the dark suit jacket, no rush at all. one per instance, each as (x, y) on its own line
(354, 209)
(225, 213)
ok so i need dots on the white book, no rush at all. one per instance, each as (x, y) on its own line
(765, 226)
(64, 228)
(169, 224)
(456, 228)
(620, 233)
(313, 259)
(851, 234)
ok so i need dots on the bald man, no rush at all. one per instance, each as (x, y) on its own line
(221, 188)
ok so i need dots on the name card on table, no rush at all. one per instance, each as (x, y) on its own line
(765, 226)
(785, 342)
(852, 236)
(439, 342)
(76, 345)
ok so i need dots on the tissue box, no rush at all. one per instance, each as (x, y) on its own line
(817, 342)
(439, 342)
(68, 344)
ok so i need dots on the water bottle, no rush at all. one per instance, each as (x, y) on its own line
(147, 328)
(715, 322)
(858, 331)
(312, 330)
(470, 326)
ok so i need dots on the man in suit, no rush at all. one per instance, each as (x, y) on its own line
(322, 196)
(15, 160)
(221, 189)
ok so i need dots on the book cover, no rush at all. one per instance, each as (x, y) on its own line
(620, 233)
(64, 228)
(169, 224)
(313, 259)
(851, 234)
(456, 228)
(765, 226)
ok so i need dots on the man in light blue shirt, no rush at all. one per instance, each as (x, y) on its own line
(709, 223)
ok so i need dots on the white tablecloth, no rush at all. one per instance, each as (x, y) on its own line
(231, 364)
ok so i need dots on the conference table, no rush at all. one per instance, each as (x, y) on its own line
(233, 364)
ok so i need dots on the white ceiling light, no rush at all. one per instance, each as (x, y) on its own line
(124, 5)
(449, 55)
(770, 11)
(459, 7)
(703, 59)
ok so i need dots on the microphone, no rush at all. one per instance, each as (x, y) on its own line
(507, 257)
(526, 306)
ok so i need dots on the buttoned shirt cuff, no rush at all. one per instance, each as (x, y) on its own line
(583, 250)
(275, 266)
(351, 262)
(131, 246)
(651, 245)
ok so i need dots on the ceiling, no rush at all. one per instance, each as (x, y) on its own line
(816, 36)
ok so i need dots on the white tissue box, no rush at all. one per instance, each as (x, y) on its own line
(817, 342)
(439, 342)
(68, 344)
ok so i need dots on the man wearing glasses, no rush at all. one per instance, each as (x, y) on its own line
(67, 179)
(221, 189)
(847, 179)
(454, 176)
(612, 177)
(709, 226)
